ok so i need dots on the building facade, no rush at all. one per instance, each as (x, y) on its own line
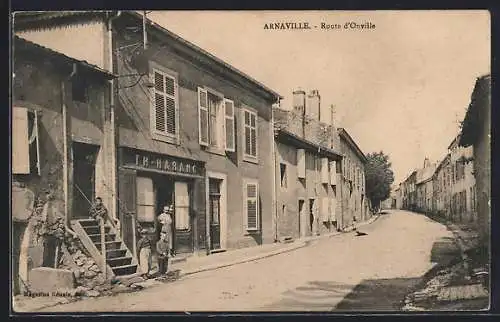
(306, 167)
(463, 191)
(409, 193)
(424, 187)
(476, 132)
(354, 204)
(61, 147)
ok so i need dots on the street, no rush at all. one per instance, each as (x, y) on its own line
(343, 272)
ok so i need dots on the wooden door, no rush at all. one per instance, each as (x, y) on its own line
(127, 207)
(84, 160)
(214, 212)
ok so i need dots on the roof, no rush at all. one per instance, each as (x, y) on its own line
(441, 163)
(344, 135)
(425, 174)
(289, 137)
(43, 17)
(480, 98)
(454, 142)
(23, 44)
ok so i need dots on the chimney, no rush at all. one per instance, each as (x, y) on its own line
(299, 101)
(313, 105)
(426, 162)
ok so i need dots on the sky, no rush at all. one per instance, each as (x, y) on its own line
(401, 87)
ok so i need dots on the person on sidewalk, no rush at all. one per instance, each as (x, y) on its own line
(163, 250)
(165, 220)
(144, 247)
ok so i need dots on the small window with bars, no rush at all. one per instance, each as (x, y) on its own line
(164, 120)
(251, 204)
(250, 134)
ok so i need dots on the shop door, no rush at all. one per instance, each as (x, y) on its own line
(183, 236)
(84, 159)
(214, 212)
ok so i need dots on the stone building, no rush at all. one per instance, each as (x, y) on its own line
(60, 150)
(424, 187)
(409, 193)
(188, 130)
(442, 188)
(307, 167)
(463, 190)
(354, 204)
(476, 132)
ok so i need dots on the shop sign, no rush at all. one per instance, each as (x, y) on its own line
(164, 163)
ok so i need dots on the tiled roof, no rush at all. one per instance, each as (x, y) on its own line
(21, 43)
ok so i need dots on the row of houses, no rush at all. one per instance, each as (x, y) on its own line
(458, 186)
(112, 105)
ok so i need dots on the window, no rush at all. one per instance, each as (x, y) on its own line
(250, 134)
(145, 200)
(182, 221)
(251, 204)
(215, 120)
(283, 175)
(25, 141)
(164, 121)
(301, 163)
(79, 90)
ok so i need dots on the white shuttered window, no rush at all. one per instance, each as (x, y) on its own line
(203, 116)
(333, 173)
(25, 142)
(229, 125)
(250, 134)
(164, 112)
(251, 204)
(324, 171)
(325, 209)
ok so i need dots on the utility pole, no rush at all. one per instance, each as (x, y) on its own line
(144, 34)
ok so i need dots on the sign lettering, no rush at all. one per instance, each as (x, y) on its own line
(164, 163)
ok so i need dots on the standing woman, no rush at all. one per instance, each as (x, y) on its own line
(144, 247)
(165, 220)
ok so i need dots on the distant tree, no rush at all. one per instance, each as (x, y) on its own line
(379, 178)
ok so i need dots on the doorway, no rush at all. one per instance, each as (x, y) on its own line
(311, 216)
(214, 204)
(301, 216)
(84, 162)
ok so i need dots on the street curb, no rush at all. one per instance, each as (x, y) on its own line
(300, 244)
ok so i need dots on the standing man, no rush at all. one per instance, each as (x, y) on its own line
(165, 220)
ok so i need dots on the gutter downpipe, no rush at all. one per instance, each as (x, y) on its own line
(273, 160)
(112, 115)
(66, 151)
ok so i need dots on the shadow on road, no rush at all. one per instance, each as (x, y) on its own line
(378, 295)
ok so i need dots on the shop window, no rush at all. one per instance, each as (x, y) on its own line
(25, 141)
(182, 221)
(251, 204)
(164, 109)
(145, 200)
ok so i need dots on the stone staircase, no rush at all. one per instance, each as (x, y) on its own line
(119, 259)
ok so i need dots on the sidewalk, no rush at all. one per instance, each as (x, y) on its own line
(459, 285)
(187, 266)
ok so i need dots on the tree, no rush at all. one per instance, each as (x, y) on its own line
(379, 178)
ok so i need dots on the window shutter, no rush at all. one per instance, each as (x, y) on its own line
(324, 170)
(20, 143)
(253, 132)
(301, 163)
(229, 125)
(333, 173)
(171, 111)
(203, 116)
(251, 206)
(325, 211)
(333, 208)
